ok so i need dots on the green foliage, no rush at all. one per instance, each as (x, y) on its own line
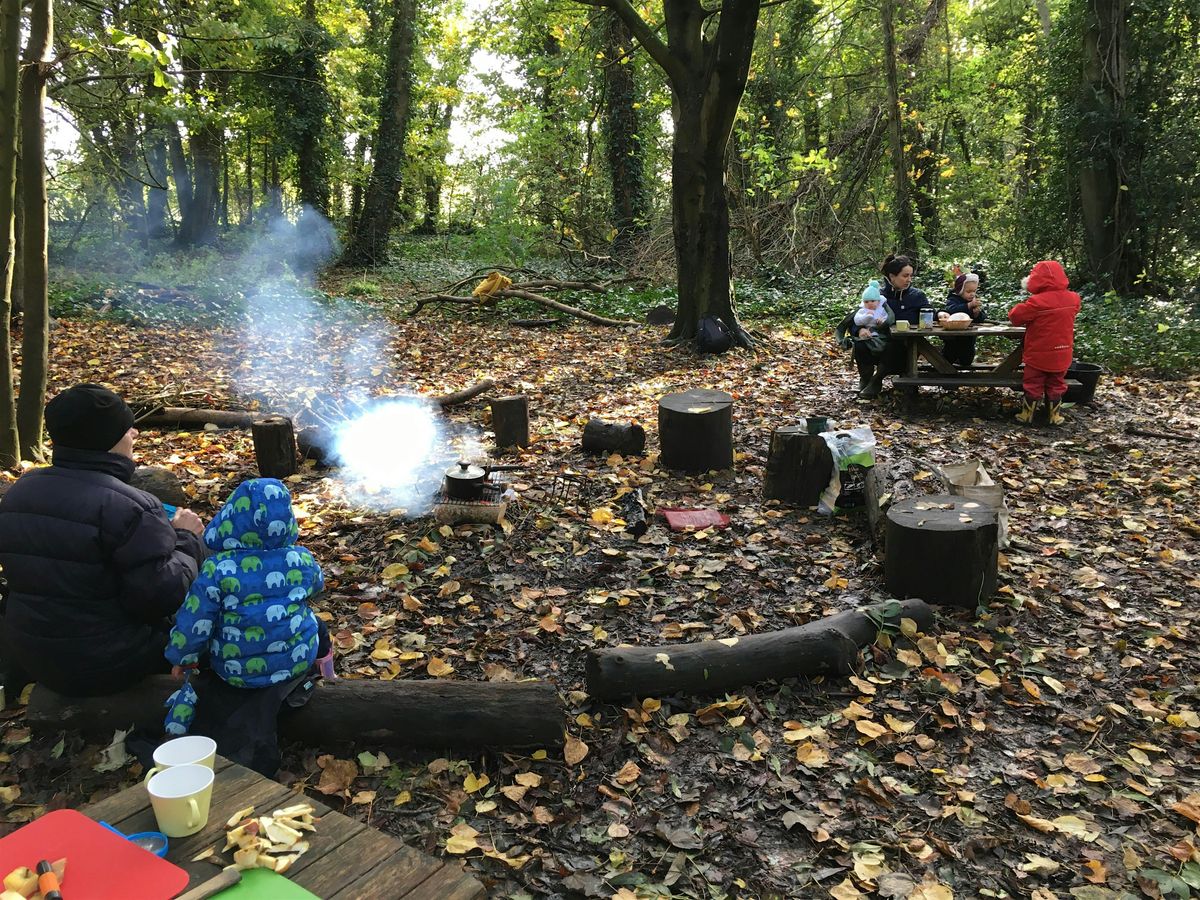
(361, 287)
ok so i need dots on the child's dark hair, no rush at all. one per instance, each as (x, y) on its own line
(894, 265)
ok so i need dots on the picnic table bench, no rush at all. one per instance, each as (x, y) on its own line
(347, 860)
(940, 372)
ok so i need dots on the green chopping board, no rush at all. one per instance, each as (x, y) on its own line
(263, 884)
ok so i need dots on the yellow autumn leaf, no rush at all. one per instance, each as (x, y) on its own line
(529, 779)
(485, 806)
(811, 756)
(1039, 824)
(845, 891)
(873, 730)
(472, 783)
(602, 515)
(909, 657)
(1076, 827)
(514, 792)
(988, 678)
(1054, 684)
(1033, 690)
(898, 725)
(462, 839)
(574, 750)
(402, 798)
(395, 570)
(438, 667)
(427, 546)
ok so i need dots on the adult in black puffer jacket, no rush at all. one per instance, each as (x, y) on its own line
(905, 302)
(94, 567)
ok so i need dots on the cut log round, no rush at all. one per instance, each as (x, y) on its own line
(799, 466)
(510, 421)
(432, 714)
(942, 549)
(826, 646)
(695, 430)
(606, 437)
(162, 483)
(274, 446)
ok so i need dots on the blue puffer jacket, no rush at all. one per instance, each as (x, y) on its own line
(248, 607)
(906, 304)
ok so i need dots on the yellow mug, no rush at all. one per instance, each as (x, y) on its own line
(193, 750)
(180, 797)
(902, 325)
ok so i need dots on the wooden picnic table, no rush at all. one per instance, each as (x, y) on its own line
(940, 372)
(347, 860)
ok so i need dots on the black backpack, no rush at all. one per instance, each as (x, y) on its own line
(713, 335)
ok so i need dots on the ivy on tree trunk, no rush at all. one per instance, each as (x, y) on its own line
(369, 240)
(10, 45)
(706, 67)
(35, 334)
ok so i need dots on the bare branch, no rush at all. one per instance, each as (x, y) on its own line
(646, 36)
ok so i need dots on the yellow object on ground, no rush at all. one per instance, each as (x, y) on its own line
(490, 285)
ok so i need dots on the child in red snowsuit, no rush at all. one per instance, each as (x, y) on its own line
(1049, 318)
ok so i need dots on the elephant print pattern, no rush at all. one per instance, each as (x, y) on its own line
(247, 610)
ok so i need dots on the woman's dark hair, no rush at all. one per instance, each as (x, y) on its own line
(894, 265)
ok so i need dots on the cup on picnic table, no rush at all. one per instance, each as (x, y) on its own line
(902, 324)
(192, 750)
(180, 797)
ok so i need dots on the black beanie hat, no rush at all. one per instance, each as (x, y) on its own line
(87, 417)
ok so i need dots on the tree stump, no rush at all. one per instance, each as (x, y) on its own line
(162, 483)
(604, 437)
(433, 714)
(274, 446)
(661, 315)
(695, 430)
(826, 646)
(799, 466)
(942, 549)
(510, 421)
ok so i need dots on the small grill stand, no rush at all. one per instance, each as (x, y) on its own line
(487, 510)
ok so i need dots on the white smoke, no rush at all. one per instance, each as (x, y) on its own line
(388, 455)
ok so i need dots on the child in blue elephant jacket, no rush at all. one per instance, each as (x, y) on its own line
(248, 607)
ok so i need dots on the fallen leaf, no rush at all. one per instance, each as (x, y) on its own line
(574, 750)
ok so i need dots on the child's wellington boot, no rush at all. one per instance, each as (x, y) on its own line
(325, 666)
(1028, 408)
(1053, 410)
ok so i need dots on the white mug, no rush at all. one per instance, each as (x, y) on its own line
(192, 750)
(180, 796)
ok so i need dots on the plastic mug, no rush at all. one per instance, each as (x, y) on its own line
(902, 325)
(193, 750)
(180, 797)
(816, 424)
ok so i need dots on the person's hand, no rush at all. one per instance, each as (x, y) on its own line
(188, 521)
(974, 305)
(177, 672)
(864, 332)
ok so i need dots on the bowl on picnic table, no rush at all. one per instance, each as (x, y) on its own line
(954, 323)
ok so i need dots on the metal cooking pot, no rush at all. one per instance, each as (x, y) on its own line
(465, 481)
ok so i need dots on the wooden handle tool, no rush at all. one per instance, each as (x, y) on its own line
(228, 878)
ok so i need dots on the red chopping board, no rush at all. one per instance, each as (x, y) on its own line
(100, 864)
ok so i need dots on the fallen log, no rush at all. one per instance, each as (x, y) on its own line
(431, 714)
(182, 416)
(464, 395)
(826, 646)
(609, 437)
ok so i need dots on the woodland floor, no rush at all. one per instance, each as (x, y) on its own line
(1043, 747)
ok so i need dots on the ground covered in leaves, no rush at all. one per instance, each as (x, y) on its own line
(1043, 746)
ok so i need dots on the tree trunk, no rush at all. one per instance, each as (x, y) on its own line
(707, 70)
(356, 189)
(1108, 215)
(10, 48)
(695, 430)
(943, 549)
(622, 134)
(35, 337)
(400, 713)
(510, 421)
(368, 243)
(180, 172)
(799, 466)
(905, 228)
(827, 646)
(199, 217)
(312, 164)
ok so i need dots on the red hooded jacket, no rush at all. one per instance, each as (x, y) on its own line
(1049, 315)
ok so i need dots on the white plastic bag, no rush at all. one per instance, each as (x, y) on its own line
(850, 447)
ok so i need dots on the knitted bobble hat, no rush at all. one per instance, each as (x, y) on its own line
(871, 292)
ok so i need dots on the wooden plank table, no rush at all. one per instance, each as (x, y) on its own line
(940, 372)
(347, 860)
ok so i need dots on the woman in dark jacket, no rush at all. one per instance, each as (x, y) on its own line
(905, 302)
(94, 567)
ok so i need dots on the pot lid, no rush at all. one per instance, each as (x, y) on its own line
(464, 471)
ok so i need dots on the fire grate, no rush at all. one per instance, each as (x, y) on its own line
(571, 487)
